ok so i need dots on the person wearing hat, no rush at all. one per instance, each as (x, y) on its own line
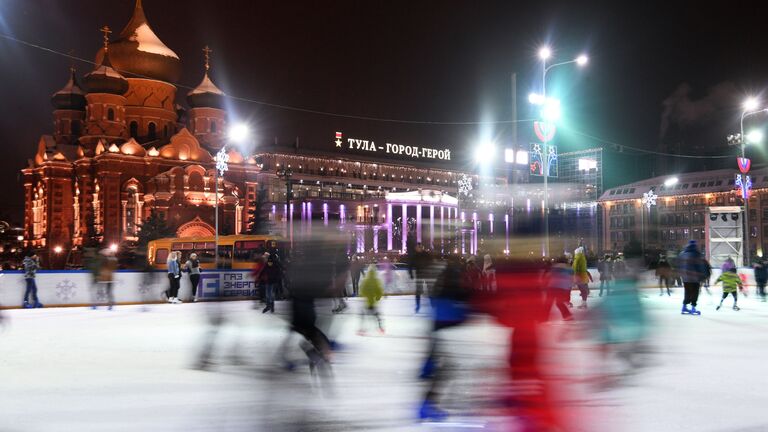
(693, 271)
(105, 276)
(581, 275)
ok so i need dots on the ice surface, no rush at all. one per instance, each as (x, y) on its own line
(76, 369)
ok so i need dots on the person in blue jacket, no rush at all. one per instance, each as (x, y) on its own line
(693, 271)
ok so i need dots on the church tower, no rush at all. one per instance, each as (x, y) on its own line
(105, 109)
(207, 118)
(151, 69)
(68, 111)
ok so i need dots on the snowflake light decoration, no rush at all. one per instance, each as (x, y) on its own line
(745, 184)
(66, 289)
(221, 161)
(465, 185)
(649, 199)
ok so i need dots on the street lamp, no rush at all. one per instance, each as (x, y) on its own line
(550, 112)
(750, 108)
(286, 174)
(238, 133)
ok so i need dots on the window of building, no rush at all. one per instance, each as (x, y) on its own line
(165, 131)
(710, 183)
(75, 127)
(213, 127)
(719, 182)
(685, 186)
(111, 114)
(152, 132)
(134, 129)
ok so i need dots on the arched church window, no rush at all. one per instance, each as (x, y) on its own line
(75, 127)
(165, 131)
(152, 133)
(111, 114)
(213, 127)
(134, 129)
(131, 212)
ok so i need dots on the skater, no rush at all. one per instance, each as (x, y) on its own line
(450, 308)
(174, 277)
(108, 265)
(192, 266)
(581, 275)
(559, 286)
(31, 265)
(731, 281)
(761, 277)
(271, 275)
(664, 273)
(692, 270)
(372, 290)
(605, 268)
(489, 273)
(420, 260)
(355, 271)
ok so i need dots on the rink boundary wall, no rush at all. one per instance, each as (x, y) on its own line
(70, 288)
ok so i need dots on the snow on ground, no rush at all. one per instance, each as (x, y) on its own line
(77, 369)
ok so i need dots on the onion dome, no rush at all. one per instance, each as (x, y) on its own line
(105, 79)
(138, 52)
(71, 97)
(206, 94)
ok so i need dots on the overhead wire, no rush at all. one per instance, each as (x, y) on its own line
(370, 118)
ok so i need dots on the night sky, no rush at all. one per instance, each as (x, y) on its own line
(664, 77)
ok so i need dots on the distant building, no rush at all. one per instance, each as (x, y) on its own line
(681, 210)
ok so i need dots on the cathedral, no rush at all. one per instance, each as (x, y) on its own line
(123, 148)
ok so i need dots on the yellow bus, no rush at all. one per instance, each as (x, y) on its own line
(235, 251)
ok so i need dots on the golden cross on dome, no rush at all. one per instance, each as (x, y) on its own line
(106, 32)
(207, 52)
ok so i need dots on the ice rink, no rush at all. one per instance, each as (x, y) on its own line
(130, 369)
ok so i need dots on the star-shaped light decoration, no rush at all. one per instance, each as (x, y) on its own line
(745, 184)
(649, 199)
(465, 185)
(221, 161)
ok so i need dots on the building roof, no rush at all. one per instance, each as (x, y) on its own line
(139, 52)
(700, 182)
(71, 96)
(206, 94)
(105, 79)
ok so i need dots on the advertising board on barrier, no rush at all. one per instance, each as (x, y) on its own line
(226, 284)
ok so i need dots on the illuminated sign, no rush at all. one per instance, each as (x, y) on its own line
(587, 164)
(370, 146)
(519, 157)
(541, 163)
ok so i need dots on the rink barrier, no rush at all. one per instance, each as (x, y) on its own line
(71, 288)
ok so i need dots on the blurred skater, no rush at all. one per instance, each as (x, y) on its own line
(664, 273)
(450, 308)
(419, 262)
(105, 275)
(761, 277)
(355, 271)
(372, 291)
(31, 264)
(605, 268)
(271, 275)
(731, 283)
(558, 288)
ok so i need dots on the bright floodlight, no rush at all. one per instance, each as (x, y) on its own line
(20, 238)
(551, 110)
(57, 249)
(755, 136)
(582, 60)
(485, 152)
(535, 99)
(670, 181)
(113, 247)
(750, 104)
(545, 53)
(239, 132)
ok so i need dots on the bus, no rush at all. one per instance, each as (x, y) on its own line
(235, 251)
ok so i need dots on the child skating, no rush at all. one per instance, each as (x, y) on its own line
(731, 281)
(372, 291)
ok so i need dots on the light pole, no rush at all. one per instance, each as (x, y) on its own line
(286, 174)
(544, 54)
(750, 108)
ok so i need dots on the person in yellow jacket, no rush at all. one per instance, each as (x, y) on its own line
(581, 276)
(731, 282)
(371, 290)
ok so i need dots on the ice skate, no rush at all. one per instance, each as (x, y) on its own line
(429, 411)
(265, 310)
(39, 305)
(694, 311)
(583, 304)
(685, 310)
(719, 306)
(26, 305)
(736, 308)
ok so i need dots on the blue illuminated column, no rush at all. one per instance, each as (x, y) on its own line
(404, 227)
(432, 227)
(418, 223)
(389, 227)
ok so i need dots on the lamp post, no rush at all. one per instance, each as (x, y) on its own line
(465, 187)
(648, 201)
(286, 173)
(222, 158)
(544, 54)
(750, 108)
